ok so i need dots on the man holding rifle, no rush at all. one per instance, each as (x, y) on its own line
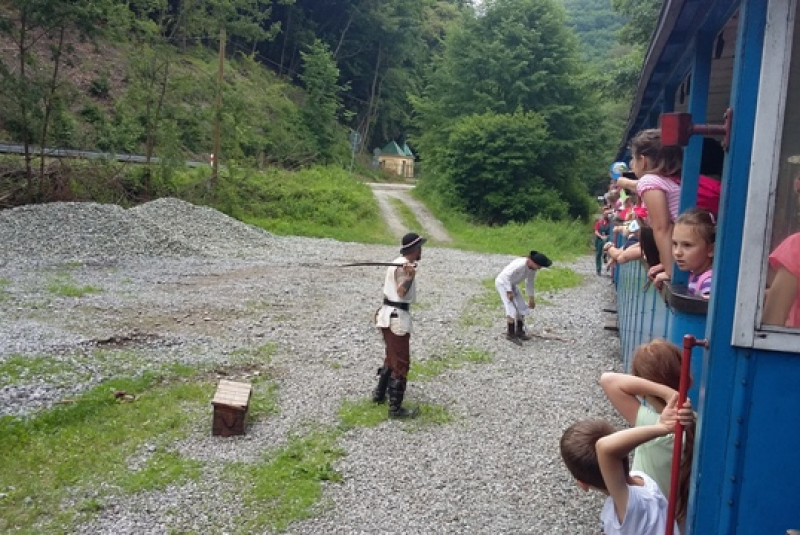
(394, 321)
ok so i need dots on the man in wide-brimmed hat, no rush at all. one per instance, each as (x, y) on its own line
(520, 269)
(394, 321)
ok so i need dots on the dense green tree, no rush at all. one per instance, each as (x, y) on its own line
(596, 24)
(641, 16)
(322, 107)
(380, 46)
(498, 167)
(517, 57)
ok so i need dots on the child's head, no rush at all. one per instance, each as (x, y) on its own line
(693, 240)
(658, 361)
(649, 156)
(578, 451)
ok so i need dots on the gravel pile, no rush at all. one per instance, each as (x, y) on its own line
(187, 284)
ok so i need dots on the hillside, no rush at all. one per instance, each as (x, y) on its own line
(596, 24)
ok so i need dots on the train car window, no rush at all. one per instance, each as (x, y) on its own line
(767, 315)
(781, 305)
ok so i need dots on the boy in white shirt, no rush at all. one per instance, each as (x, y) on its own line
(597, 457)
(523, 268)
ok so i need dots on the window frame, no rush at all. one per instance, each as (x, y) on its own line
(748, 330)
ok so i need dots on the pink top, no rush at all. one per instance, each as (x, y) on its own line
(787, 255)
(670, 187)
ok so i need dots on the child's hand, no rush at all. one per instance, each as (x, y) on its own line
(660, 279)
(655, 270)
(671, 415)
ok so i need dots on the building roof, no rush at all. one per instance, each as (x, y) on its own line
(393, 149)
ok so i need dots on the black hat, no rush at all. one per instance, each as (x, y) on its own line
(540, 259)
(411, 241)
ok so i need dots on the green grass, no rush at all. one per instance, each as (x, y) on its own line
(73, 449)
(454, 358)
(160, 470)
(559, 240)
(64, 285)
(407, 216)
(19, 369)
(286, 484)
(481, 309)
(62, 464)
(556, 278)
(429, 415)
(324, 202)
(361, 413)
(3, 291)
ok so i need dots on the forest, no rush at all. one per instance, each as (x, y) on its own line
(512, 107)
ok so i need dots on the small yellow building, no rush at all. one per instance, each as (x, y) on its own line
(397, 160)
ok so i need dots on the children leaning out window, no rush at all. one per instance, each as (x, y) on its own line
(693, 249)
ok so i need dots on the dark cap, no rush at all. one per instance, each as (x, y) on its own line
(412, 241)
(540, 259)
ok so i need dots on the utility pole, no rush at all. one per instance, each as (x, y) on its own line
(218, 114)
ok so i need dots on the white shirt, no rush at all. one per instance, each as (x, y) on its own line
(516, 272)
(401, 324)
(646, 513)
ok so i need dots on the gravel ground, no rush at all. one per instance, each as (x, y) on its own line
(180, 283)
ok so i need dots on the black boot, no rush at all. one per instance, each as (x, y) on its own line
(521, 334)
(397, 390)
(379, 394)
(511, 334)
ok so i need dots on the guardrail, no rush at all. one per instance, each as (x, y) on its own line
(8, 148)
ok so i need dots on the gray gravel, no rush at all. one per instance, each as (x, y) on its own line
(180, 283)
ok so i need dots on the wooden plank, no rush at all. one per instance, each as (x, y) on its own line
(232, 394)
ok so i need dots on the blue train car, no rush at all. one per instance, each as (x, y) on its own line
(706, 57)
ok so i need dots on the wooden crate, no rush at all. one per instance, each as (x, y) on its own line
(231, 402)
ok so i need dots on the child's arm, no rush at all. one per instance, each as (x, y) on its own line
(622, 389)
(780, 298)
(612, 449)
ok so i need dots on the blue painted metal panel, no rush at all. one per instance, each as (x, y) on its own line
(683, 323)
(714, 507)
(770, 472)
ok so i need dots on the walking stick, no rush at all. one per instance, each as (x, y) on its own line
(689, 342)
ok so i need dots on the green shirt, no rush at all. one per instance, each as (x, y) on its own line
(654, 458)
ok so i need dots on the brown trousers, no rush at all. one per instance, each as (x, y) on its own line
(398, 353)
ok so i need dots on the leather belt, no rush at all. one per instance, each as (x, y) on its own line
(396, 304)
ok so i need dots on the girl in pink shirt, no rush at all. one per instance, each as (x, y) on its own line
(658, 169)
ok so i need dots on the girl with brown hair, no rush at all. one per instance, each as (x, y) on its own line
(658, 170)
(655, 378)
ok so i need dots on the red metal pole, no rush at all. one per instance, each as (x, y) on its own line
(689, 342)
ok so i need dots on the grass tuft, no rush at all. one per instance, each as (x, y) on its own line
(556, 278)
(65, 286)
(362, 413)
(20, 369)
(422, 370)
(159, 471)
(407, 216)
(288, 483)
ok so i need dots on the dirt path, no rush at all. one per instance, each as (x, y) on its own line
(432, 226)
